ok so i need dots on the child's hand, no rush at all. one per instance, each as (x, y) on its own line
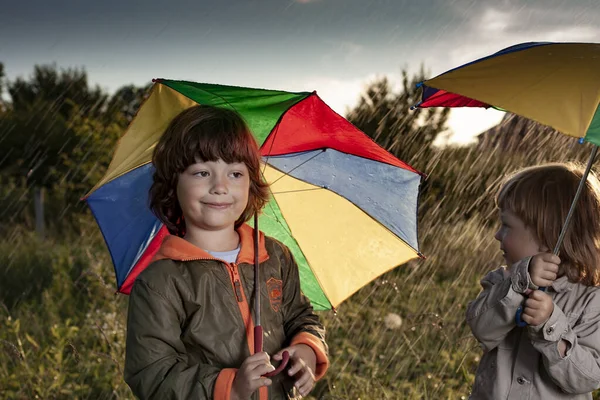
(304, 362)
(538, 308)
(543, 269)
(249, 378)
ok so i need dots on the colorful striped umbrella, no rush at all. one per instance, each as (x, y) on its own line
(345, 207)
(556, 84)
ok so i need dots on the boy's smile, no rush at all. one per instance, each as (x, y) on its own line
(218, 206)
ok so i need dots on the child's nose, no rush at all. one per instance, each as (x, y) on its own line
(219, 185)
(498, 235)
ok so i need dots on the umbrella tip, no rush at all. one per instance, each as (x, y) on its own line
(581, 140)
(416, 105)
(156, 80)
(422, 256)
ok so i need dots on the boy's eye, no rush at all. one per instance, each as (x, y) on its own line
(203, 174)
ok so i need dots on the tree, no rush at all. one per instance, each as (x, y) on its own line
(51, 91)
(125, 103)
(60, 133)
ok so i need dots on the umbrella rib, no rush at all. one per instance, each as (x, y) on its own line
(297, 166)
(272, 144)
(275, 131)
(278, 220)
(299, 190)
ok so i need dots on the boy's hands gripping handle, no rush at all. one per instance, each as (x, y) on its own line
(258, 342)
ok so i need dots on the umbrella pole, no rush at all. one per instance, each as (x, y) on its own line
(565, 226)
(563, 231)
(258, 332)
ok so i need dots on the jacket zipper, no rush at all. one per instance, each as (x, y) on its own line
(234, 277)
(237, 284)
(244, 307)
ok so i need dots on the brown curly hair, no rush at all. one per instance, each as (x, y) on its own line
(203, 133)
(541, 197)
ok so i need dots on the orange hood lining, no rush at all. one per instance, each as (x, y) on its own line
(176, 248)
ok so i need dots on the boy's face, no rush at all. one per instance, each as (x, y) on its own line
(213, 194)
(516, 240)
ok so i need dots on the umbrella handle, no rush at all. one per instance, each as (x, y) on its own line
(258, 344)
(520, 323)
(282, 366)
(258, 339)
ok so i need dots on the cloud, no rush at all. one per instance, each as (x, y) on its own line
(344, 50)
(341, 95)
(486, 29)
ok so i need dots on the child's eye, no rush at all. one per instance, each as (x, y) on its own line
(237, 174)
(203, 174)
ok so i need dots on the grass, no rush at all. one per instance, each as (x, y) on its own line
(401, 337)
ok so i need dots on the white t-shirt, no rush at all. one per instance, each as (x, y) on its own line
(229, 256)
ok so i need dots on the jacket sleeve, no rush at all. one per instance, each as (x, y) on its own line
(156, 362)
(301, 324)
(579, 371)
(491, 315)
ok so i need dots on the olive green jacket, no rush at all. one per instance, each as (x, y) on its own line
(190, 324)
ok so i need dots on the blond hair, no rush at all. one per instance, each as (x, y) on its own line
(541, 197)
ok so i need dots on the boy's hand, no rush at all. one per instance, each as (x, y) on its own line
(538, 308)
(543, 269)
(304, 361)
(249, 378)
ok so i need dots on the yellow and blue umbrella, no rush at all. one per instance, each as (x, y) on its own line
(556, 84)
(345, 207)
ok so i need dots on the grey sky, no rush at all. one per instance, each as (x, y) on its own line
(333, 46)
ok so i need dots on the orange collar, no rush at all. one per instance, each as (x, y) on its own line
(176, 248)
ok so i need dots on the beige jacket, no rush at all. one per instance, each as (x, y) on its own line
(524, 363)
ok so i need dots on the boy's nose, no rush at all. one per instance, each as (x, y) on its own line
(219, 185)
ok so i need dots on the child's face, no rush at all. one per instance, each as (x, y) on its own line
(213, 194)
(516, 240)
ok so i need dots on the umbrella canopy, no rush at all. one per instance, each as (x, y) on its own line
(345, 207)
(556, 84)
